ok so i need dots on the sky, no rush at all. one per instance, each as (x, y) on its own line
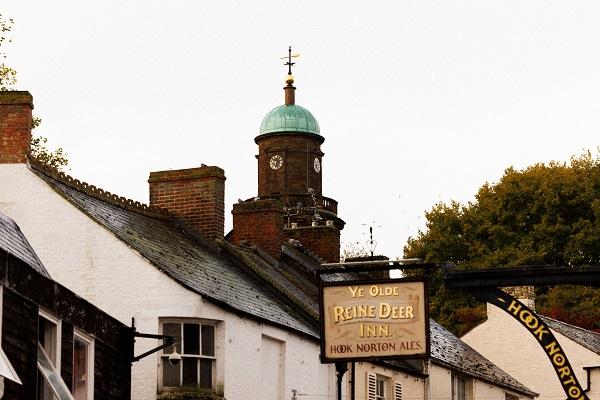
(419, 101)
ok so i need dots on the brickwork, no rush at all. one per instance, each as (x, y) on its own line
(324, 241)
(297, 173)
(128, 286)
(196, 196)
(260, 223)
(15, 126)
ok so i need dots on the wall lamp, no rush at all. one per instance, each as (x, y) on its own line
(168, 340)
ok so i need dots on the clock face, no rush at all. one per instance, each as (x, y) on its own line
(276, 162)
(317, 165)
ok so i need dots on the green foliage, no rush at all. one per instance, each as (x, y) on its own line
(39, 150)
(543, 214)
(354, 250)
(574, 304)
(8, 76)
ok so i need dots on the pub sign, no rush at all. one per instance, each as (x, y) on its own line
(382, 319)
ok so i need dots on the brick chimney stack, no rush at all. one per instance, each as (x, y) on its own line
(195, 195)
(15, 126)
(259, 223)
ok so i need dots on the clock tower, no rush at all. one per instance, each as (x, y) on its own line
(289, 149)
(290, 168)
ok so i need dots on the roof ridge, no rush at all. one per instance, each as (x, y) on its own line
(96, 192)
(571, 325)
(237, 251)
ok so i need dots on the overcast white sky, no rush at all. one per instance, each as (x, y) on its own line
(418, 101)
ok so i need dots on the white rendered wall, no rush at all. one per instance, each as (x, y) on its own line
(440, 383)
(92, 262)
(440, 386)
(506, 343)
(412, 387)
(594, 392)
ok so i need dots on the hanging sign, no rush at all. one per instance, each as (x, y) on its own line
(374, 320)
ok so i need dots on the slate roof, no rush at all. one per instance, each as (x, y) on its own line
(185, 258)
(588, 339)
(235, 276)
(448, 350)
(14, 242)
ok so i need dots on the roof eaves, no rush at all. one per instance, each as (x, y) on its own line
(523, 390)
(567, 329)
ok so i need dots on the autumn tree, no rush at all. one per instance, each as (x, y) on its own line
(8, 79)
(543, 214)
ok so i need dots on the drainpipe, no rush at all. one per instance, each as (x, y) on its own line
(353, 387)
(426, 380)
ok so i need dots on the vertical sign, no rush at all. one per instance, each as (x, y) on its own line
(377, 319)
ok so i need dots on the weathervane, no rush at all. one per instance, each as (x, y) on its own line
(289, 57)
(290, 98)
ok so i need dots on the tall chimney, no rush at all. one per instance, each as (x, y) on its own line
(15, 126)
(195, 195)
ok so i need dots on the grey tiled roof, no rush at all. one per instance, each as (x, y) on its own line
(281, 278)
(449, 350)
(247, 280)
(446, 348)
(14, 242)
(186, 259)
(588, 339)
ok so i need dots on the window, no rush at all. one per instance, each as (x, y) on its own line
(461, 387)
(6, 368)
(376, 386)
(49, 342)
(380, 392)
(83, 367)
(197, 350)
(52, 386)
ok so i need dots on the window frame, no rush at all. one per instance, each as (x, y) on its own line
(9, 372)
(380, 383)
(57, 345)
(466, 386)
(374, 383)
(164, 357)
(57, 349)
(89, 341)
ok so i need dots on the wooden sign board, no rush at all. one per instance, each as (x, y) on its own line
(374, 320)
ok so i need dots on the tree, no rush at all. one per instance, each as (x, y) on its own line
(354, 250)
(56, 159)
(8, 78)
(543, 214)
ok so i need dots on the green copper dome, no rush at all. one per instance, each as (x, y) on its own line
(289, 119)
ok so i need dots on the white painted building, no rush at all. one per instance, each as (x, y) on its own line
(505, 342)
(454, 372)
(90, 260)
(248, 322)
